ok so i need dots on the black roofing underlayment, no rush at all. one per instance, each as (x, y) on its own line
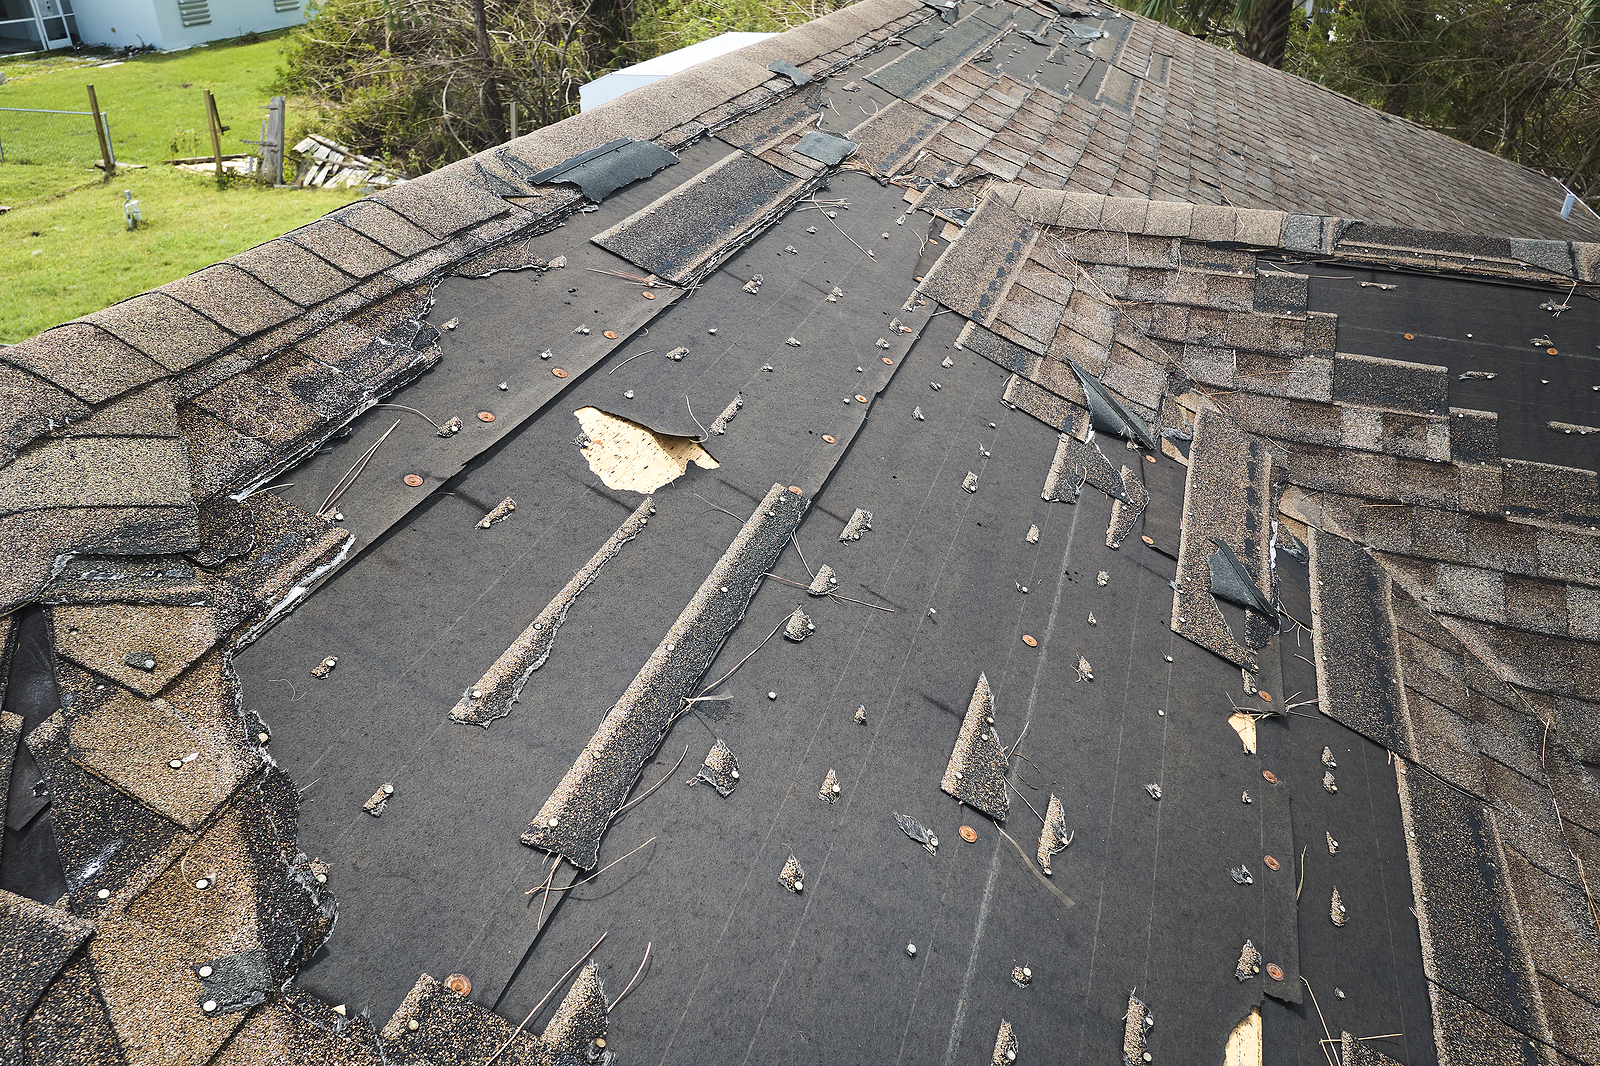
(995, 419)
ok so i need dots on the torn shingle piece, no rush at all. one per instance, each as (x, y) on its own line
(436, 1025)
(85, 360)
(976, 773)
(888, 141)
(1078, 463)
(1125, 512)
(1227, 496)
(975, 272)
(581, 1018)
(601, 171)
(301, 1027)
(720, 770)
(1005, 1046)
(762, 129)
(860, 522)
(691, 229)
(799, 627)
(1057, 412)
(1053, 835)
(573, 820)
(1133, 1032)
(793, 875)
(36, 941)
(826, 148)
(1354, 636)
(501, 686)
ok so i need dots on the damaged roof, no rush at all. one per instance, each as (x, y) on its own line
(392, 656)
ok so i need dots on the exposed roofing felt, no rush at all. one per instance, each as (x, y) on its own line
(276, 653)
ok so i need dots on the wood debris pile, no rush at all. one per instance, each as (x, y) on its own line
(326, 164)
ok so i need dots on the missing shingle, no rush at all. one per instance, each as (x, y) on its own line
(626, 455)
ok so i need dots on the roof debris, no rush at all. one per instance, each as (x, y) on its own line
(500, 511)
(792, 876)
(380, 800)
(915, 830)
(721, 769)
(799, 626)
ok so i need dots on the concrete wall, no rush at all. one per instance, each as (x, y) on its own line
(121, 23)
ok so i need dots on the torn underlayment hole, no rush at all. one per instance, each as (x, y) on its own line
(626, 455)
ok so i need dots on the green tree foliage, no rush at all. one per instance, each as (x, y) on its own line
(1520, 78)
(1258, 29)
(420, 83)
(665, 25)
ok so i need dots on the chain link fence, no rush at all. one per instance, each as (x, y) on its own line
(36, 137)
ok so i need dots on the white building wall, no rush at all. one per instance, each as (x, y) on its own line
(121, 23)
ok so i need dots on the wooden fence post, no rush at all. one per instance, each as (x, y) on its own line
(106, 164)
(217, 130)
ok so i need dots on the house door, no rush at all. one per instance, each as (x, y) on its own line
(54, 20)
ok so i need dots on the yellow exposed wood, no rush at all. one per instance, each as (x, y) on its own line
(1244, 1043)
(626, 455)
(1245, 726)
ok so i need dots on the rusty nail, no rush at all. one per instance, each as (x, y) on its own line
(1029, 641)
(558, 372)
(609, 334)
(413, 480)
(969, 834)
(828, 439)
(485, 416)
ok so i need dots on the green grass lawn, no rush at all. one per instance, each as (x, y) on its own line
(64, 249)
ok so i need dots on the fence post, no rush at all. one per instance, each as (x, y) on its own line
(217, 130)
(106, 165)
(272, 144)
